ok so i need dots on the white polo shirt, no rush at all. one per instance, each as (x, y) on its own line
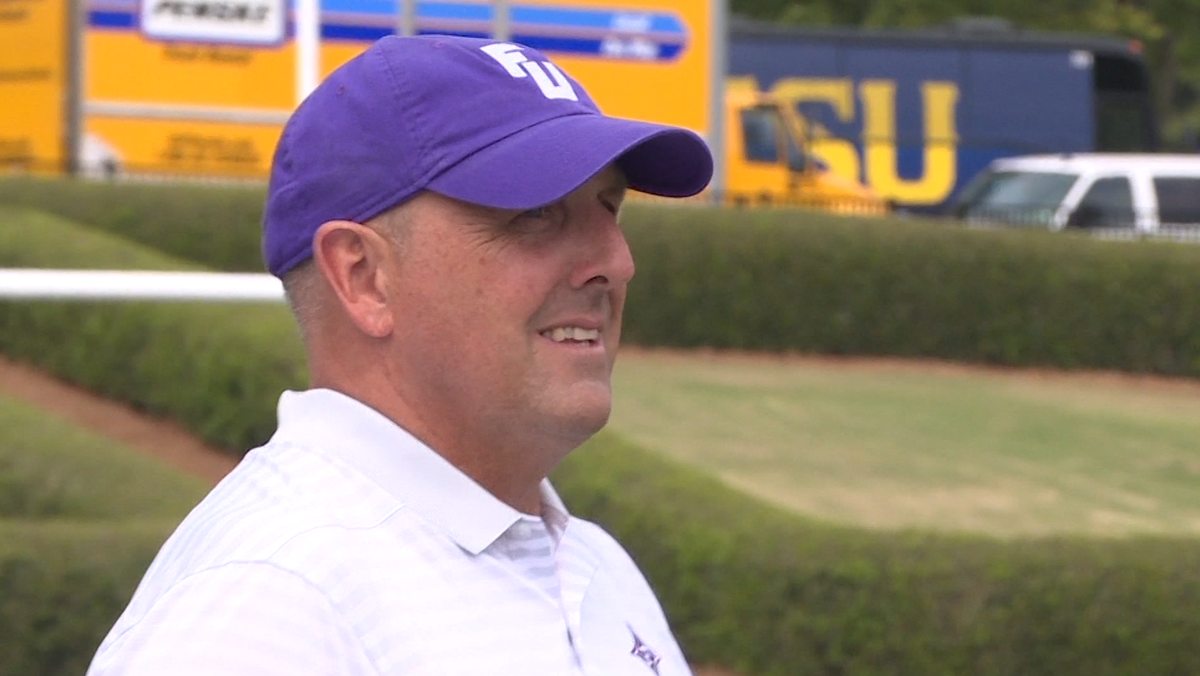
(346, 547)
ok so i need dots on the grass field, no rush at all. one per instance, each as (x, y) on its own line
(895, 445)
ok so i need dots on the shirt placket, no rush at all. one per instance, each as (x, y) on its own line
(531, 552)
(577, 567)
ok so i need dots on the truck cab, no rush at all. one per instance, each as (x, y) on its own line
(768, 162)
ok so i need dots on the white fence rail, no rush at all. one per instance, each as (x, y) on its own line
(129, 285)
(121, 285)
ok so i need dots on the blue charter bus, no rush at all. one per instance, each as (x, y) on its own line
(915, 114)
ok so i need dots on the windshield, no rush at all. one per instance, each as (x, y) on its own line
(1015, 196)
(762, 128)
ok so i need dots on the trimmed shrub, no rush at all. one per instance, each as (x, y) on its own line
(63, 585)
(215, 225)
(767, 593)
(218, 368)
(745, 585)
(784, 281)
(80, 520)
(790, 280)
(52, 469)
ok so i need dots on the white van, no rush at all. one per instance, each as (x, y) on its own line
(1145, 193)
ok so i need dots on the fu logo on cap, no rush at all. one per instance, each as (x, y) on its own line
(549, 78)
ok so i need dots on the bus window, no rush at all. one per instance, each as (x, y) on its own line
(1124, 114)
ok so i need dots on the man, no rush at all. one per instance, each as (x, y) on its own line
(443, 214)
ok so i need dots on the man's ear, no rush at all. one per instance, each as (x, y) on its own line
(352, 257)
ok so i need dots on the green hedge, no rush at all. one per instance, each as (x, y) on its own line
(915, 289)
(745, 585)
(52, 469)
(785, 280)
(80, 519)
(215, 225)
(63, 585)
(217, 368)
(767, 593)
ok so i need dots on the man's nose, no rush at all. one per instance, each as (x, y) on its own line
(604, 252)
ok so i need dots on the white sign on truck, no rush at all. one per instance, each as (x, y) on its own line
(250, 22)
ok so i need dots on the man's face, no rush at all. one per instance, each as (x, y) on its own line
(507, 321)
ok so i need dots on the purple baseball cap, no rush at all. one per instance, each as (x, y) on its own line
(486, 122)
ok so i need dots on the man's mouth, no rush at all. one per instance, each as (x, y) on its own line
(572, 335)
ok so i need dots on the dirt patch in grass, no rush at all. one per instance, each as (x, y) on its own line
(175, 445)
(1116, 379)
(120, 422)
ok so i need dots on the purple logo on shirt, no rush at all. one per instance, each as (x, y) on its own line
(644, 653)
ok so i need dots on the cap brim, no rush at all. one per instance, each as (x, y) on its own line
(543, 163)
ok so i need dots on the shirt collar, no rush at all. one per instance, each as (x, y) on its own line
(335, 424)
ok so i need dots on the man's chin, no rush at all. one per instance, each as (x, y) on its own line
(583, 411)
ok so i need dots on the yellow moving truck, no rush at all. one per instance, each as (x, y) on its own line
(34, 71)
(202, 87)
(769, 159)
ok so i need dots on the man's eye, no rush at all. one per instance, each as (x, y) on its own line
(536, 212)
(543, 218)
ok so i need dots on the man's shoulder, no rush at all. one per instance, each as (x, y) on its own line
(278, 499)
(285, 512)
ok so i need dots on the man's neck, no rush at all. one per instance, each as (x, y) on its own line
(511, 471)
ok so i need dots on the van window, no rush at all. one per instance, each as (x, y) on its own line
(1025, 197)
(1178, 199)
(761, 128)
(1107, 204)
